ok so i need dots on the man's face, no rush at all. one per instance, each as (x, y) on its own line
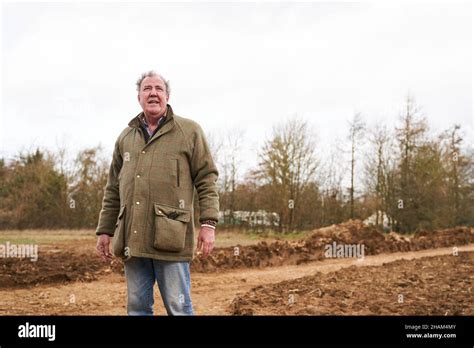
(153, 96)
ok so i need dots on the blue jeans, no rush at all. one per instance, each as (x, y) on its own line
(173, 281)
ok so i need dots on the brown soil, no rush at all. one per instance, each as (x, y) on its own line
(312, 247)
(63, 262)
(441, 285)
(54, 265)
(213, 293)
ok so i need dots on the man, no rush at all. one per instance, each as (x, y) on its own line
(158, 161)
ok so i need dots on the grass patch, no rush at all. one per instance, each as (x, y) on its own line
(44, 236)
(227, 238)
(224, 238)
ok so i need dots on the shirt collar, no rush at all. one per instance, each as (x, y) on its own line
(142, 119)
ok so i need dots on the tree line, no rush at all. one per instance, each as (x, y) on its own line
(404, 179)
(38, 190)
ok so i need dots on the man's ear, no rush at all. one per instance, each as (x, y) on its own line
(138, 97)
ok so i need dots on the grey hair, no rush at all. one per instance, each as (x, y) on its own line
(152, 73)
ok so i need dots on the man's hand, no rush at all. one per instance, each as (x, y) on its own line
(103, 243)
(206, 240)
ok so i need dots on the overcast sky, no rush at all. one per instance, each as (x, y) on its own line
(69, 70)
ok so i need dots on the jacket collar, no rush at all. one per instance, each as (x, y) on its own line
(167, 126)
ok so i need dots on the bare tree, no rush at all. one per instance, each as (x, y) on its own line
(330, 177)
(233, 143)
(288, 163)
(379, 170)
(356, 131)
(457, 163)
(410, 135)
(215, 142)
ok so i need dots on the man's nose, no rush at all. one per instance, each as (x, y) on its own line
(153, 92)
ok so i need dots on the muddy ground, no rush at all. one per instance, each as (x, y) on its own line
(441, 285)
(212, 293)
(58, 264)
(312, 247)
(67, 262)
(68, 278)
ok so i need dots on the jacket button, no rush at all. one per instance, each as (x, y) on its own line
(138, 175)
(138, 202)
(135, 232)
(143, 151)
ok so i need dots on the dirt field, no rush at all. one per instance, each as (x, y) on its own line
(437, 285)
(312, 247)
(259, 278)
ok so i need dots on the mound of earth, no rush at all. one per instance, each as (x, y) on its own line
(442, 285)
(51, 267)
(442, 238)
(313, 246)
(69, 264)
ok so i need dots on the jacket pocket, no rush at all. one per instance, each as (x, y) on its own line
(170, 227)
(118, 242)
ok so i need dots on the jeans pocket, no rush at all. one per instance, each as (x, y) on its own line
(171, 224)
